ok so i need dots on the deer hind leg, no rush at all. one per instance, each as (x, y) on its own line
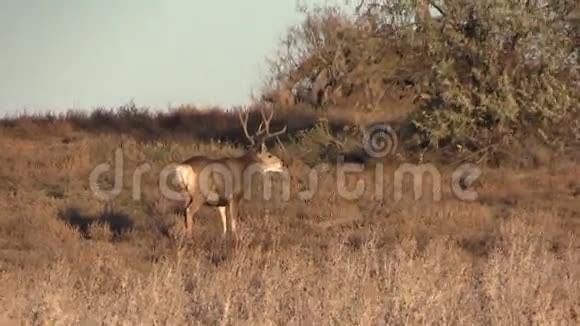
(233, 214)
(195, 203)
(187, 178)
(223, 214)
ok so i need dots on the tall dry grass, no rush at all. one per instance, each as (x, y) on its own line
(510, 257)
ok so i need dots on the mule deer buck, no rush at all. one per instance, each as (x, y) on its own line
(222, 182)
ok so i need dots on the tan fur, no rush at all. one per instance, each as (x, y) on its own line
(221, 182)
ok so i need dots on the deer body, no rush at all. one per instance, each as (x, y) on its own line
(223, 182)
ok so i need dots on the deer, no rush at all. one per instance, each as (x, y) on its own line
(221, 182)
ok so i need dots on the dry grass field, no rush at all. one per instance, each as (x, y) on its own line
(510, 257)
(494, 81)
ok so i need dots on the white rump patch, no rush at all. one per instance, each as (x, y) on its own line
(185, 176)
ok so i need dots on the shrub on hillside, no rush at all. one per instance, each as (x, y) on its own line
(333, 58)
(499, 68)
(480, 71)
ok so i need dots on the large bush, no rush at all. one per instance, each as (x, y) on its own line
(499, 67)
(480, 70)
(335, 58)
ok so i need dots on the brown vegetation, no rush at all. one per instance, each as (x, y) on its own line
(509, 257)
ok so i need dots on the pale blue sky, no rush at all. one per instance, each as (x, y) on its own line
(58, 54)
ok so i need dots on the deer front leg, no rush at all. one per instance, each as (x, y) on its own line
(185, 216)
(188, 221)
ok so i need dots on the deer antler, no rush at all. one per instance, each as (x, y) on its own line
(266, 121)
(244, 122)
(264, 127)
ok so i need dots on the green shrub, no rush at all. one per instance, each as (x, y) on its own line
(321, 145)
(484, 71)
(485, 84)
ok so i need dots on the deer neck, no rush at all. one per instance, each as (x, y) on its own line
(251, 158)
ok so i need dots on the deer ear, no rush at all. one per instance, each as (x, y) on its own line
(263, 148)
